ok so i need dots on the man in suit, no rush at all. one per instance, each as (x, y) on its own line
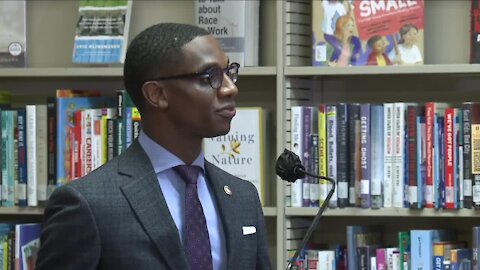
(138, 211)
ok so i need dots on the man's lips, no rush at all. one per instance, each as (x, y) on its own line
(227, 111)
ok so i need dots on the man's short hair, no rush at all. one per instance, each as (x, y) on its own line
(154, 50)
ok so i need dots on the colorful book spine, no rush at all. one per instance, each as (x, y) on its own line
(388, 155)
(354, 151)
(476, 248)
(449, 159)
(342, 154)
(475, 152)
(376, 131)
(429, 127)
(332, 155)
(381, 261)
(421, 160)
(404, 249)
(475, 32)
(322, 148)
(365, 155)
(457, 165)
(22, 158)
(413, 188)
(466, 155)
(399, 124)
(305, 156)
(297, 145)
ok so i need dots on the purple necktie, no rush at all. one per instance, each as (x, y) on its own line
(197, 242)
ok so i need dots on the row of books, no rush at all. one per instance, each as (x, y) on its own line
(364, 248)
(402, 155)
(376, 33)
(19, 244)
(44, 146)
(47, 145)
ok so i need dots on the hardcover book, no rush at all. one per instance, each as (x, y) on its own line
(241, 152)
(13, 34)
(235, 24)
(365, 32)
(101, 33)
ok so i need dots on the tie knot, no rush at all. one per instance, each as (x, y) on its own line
(189, 173)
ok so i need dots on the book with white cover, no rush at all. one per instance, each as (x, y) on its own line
(235, 24)
(241, 152)
(13, 33)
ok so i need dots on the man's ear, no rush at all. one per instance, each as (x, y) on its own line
(155, 95)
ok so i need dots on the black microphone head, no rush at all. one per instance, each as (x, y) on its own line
(289, 167)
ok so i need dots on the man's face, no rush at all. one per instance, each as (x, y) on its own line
(194, 107)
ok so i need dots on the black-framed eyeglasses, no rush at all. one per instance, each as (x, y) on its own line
(214, 75)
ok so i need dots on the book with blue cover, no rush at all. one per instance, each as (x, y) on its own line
(27, 244)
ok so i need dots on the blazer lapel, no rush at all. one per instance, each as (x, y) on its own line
(227, 209)
(147, 201)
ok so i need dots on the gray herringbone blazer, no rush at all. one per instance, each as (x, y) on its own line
(117, 218)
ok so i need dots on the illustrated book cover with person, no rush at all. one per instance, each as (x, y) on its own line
(365, 32)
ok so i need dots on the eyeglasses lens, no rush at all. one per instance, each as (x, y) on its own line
(216, 75)
(232, 73)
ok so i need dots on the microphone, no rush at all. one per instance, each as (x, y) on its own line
(290, 168)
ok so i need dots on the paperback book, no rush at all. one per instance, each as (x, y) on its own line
(365, 32)
(101, 33)
(241, 152)
(13, 35)
(235, 24)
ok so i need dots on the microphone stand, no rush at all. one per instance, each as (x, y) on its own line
(313, 226)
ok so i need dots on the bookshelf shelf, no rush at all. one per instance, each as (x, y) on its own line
(270, 211)
(102, 72)
(393, 212)
(22, 211)
(447, 69)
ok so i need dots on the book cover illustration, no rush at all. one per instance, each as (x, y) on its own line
(27, 244)
(101, 33)
(475, 32)
(365, 32)
(241, 151)
(236, 26)
(13, 39)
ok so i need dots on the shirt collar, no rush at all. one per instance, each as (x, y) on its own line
(161, 158)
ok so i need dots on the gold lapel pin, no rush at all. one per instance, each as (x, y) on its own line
(227, 190)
